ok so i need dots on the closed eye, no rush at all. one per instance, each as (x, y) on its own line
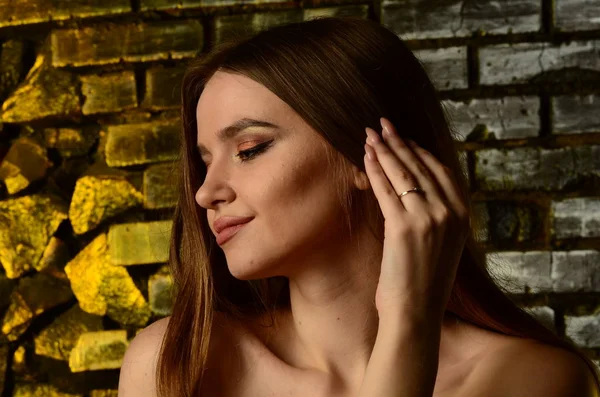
(249, 154)
(246, 155)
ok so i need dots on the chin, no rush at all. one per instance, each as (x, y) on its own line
(249, 270)
(252, 260)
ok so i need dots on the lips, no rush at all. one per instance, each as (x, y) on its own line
(228, 233)
(227, 226)
(228, 221)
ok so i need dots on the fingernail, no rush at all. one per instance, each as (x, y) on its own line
(385, 128)
(372, 136)
(370, 152)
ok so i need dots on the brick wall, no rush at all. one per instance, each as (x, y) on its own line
(89, 92)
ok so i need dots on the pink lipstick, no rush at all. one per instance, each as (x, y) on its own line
(227, 233)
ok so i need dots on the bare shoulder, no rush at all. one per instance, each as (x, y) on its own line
(527, 368)
(139, 363)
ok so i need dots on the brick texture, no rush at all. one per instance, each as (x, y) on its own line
(576, 217)
(108, 93)
(143, 143)
(503, 118)
(576, 114)
(23, 12)
(191, 4)
(11, 55)
(544, 314)
(520, 63)
(513, 221)
(112, 43)
(583, 330)
(531, 168)
(447, 67)
(424, 19)
(151, 240)
(163, 87)
(577, 14)
(45, 93)
(158, 188)
(146, 5)
(520, 272)
(232, 26)
(575, 271)
(546, 271)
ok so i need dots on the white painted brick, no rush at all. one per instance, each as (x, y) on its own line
(147, 5)
(576, 271)
(584, 330)
(497, 169)
(346, 10)
(577, 14)
(532, 168)
(576, 217)
(422, 19)
(576, 114)
(447, 67)
(543, 314)
(521, 271)
(231, 26)
(546, 271)
(505, 118)
(518, 63)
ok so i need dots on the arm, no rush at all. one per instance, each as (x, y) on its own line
(405, 357)
(425, 235)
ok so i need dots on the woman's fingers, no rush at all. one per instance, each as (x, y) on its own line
(399, 176)
(420, 171)
(444, 178)
(383, 190)
(405, 165)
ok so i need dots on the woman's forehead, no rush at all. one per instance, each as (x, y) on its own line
(227, 92)
(231, 99)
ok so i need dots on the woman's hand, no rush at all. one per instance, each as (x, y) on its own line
(425, 232)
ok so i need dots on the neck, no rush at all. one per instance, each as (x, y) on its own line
(332, 323)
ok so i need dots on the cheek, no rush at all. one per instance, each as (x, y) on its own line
(299, 200)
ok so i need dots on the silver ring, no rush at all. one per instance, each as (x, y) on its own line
(414, 189)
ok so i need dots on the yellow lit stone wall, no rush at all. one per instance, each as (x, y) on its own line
(89, 128)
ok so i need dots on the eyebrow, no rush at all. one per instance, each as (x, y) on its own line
(235, 128)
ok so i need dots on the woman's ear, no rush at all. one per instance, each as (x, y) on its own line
(360, 179)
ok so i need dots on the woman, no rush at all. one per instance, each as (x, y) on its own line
(349, 267)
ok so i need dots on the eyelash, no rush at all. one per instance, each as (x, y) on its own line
(249, 154)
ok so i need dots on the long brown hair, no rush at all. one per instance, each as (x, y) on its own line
(340, 75)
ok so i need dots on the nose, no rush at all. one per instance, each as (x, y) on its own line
(214, 190)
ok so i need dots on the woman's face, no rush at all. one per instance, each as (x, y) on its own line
(281, 182)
